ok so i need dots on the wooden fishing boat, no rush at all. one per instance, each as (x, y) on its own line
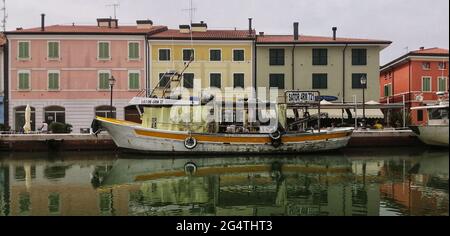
(191, 121)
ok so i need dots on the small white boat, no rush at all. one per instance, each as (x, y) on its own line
(435, 132)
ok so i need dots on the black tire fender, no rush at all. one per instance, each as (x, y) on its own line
(190, 142)
(190, 168)
(275, 135)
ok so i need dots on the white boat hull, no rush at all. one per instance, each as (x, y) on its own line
(436, 135)
(135, 137)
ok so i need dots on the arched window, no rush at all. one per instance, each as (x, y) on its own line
(55, 114)
(105, 111)
(132, 114)
(19, 114)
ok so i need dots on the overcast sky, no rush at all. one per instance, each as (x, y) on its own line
(408, 23)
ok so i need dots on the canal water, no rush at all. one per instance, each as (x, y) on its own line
(351, 182)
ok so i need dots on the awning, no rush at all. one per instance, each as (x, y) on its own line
(370, 113)
(337, 113)
(332, 113)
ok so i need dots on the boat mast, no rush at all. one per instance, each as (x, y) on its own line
(175, 76)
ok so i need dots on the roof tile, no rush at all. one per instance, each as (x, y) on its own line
(434, 50)
(81, 29)
(273, 39)
(209, 34)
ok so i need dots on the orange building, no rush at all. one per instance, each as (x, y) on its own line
(416, 76)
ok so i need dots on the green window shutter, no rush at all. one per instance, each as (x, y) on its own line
(53, 50)
(133, 50)
(24, 50)
(359, 57)
(426, 85)
(164, 81)
(356, 80)
(215, 80)
(104, 81)
(238, 80)
(103, 50)
(276, 81)
(276, 57)
(320, 56)
(188, 80)
(441, 84)
(164, 54)
(238, 55)
(215, 55)
(133, 82)
(188, 54)
(53, 81)
(24, 82)
(320, 81)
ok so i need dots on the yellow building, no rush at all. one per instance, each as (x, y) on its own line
(220, 58)
(332, 65)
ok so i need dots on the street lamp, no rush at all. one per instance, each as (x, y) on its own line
(111, 81)
(364, 85)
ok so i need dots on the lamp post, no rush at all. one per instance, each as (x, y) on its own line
(111, 81)
(364, 85)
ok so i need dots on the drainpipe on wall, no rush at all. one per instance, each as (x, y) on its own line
(147, 67)
(293, 66)
(293, 53)
(409, 80)
(393, 82)
(255, 71)
(6, 83)
(343, 73)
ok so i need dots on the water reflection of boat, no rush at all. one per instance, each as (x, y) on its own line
(333, 184)
(137, 170)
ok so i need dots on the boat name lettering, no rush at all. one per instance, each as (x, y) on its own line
(295, 97)
(152, 101)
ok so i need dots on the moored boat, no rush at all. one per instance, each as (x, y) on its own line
(435, 131)
(179, 120)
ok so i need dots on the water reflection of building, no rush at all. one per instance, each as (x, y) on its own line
(223, 186)
(424, 188)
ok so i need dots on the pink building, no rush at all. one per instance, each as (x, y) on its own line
(62, 71)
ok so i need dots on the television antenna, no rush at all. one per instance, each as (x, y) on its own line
(115, 5)
(5, 16)
(191, 10)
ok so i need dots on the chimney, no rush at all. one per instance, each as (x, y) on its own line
(295, 31)
(261, 34)
(185, 29)
(422, 48)
(199, 27)
(250, 29)
(108, 22)
(144, 24)
(42, 22)
(334, 32)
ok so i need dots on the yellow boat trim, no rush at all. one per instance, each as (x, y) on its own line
(115, 121)
(242, 169)
(228, 139)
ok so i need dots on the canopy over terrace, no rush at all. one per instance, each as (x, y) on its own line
(338, 110)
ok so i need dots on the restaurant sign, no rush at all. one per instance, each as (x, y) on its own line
(302, 97)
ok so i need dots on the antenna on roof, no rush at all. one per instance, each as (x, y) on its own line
(5, 16)
(191, 10)
(115, 5)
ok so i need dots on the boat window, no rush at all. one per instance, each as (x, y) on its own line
(438, 113)
(105, 111)
(419, 115)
